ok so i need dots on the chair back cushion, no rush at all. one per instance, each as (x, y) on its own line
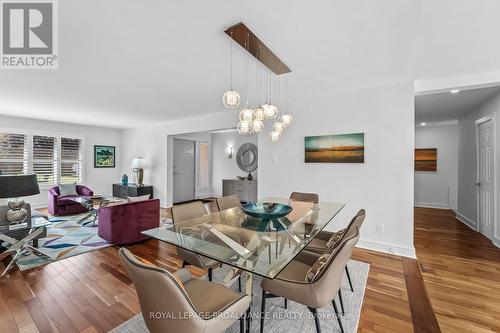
(316, 268)
(67, 189)
(228, 202)
(188, 211)
(305, 197)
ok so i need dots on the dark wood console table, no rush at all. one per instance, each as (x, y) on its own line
(132, 190)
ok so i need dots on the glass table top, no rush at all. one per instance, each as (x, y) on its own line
(35, 222)
(260, 246)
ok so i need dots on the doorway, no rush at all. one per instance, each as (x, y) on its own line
(184, 178)
(485, 179)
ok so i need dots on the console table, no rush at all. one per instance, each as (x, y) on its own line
(246, 190)
(131, 190)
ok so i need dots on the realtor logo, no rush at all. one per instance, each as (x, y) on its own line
(29, 34)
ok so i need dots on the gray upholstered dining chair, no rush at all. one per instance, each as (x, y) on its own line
(164, 297)
(311, 279)
(228, 202)
(188, 211)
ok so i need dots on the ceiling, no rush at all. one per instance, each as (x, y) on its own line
(446, 106)
(127, 63)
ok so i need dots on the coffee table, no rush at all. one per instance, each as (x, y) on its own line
(89, 203)
(34, 226)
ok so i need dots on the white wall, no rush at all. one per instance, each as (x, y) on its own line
(223, 167)
(383, 185)
(438, 189)
(467, 167)
(99, 180)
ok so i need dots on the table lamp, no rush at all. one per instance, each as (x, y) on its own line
(138, 165)
(13, 187)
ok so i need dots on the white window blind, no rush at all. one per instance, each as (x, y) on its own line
(71, 160)
(13, 154)
(45, 159)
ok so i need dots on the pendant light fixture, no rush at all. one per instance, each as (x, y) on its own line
(231, 98)
(270, 110)
(247, 114)
(258, 111)
(286, 118)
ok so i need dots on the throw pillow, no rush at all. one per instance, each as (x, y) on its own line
(67, 189)
(138, 199)
(316, 268)
(332, 242)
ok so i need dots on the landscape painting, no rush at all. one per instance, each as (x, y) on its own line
(340, 148)
(104, 156)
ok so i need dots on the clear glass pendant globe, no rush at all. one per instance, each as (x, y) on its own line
(231, 99)
(278, 127)
(270, 111)
(257, 126)
(246, 115)
(259, 113)
(275, 136)
(286, 119)
(244, 127)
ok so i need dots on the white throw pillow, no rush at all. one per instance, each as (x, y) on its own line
(138, 199)
(67, 189)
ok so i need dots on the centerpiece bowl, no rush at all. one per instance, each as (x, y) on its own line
(266, 210)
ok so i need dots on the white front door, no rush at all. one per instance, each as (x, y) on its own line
(184, 170)
(485, 182)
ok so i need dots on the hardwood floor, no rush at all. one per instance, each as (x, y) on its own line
(460, 270)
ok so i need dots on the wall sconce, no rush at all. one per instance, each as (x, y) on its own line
(229, 151)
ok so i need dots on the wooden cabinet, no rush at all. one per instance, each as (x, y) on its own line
(131, 190)
(246, 190)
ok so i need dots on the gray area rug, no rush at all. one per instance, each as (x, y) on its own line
(297, 317)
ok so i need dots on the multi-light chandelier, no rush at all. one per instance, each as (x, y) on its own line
(252, 119)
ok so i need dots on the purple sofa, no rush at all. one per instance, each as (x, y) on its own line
(63, 205)
(122, 223)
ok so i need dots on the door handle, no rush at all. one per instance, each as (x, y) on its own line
(478, 184)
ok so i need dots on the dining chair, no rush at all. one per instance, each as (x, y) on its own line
(180, 303)
(326, 241)
(311, 279)
(185, 212)
(228, 202)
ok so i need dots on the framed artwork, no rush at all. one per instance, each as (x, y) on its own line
(104, 156)
(426, 159)
(339, 148)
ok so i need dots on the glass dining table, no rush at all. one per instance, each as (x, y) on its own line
(250, 245)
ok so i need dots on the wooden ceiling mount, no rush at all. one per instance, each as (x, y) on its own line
(257, 48)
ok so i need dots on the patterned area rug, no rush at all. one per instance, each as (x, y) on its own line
(65, 238)
(297, 317)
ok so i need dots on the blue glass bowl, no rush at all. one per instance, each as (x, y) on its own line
(266, 210)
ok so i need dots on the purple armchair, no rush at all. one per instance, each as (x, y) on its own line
(64, 205)
(122, 223)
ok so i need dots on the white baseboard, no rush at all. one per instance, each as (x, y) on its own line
(387, 248)
(495, 241)
(431, 205)
(465, 220)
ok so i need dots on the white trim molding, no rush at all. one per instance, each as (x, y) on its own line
(431, 205)
(467, 221)
(388, 248)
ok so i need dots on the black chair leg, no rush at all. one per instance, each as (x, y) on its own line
(262, 311)
(249, 320)
(338, 316)
(286, 303)
(239, 283)
(242, 325)
(316, 319)
(341, 301)
(183, 264)
(349, 277)
(210, 274)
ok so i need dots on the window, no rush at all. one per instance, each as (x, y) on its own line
(54, 159)
(13, 154)
(71, 161)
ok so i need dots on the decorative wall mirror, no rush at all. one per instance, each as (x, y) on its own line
(247, 158)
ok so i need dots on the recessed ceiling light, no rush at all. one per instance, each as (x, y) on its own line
(423, 124)
(455, 91)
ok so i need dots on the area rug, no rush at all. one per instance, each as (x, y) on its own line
(297, 317)
(65, 238)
